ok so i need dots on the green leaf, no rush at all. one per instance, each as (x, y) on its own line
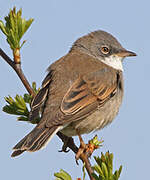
(28, 23)
(96, 177)
(23, 27)
(96, 142)
(27, 98)
(98, 160)
(2, 27)
(19, 106)
(104, 169)
(83, 170)
(9, 40)
(23, 118)
(22, 43)
(98, 169)
(20, 102)
(19, 27)
(35, 88)
(12, 21)
(62, 175)
(117, 173)
(14, 28)
(120, 169)
(8, 26)
(16, 106)
(10, 110)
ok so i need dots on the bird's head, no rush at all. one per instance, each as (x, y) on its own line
(104, 47)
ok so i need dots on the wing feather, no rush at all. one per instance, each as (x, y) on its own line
(86, 90)
(40, 98)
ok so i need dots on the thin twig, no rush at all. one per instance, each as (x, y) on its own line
(71, 145)
(18, 70)
(74, 148)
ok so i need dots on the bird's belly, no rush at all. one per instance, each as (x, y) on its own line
(102, 116)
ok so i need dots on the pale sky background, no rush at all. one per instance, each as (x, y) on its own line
(56, 26)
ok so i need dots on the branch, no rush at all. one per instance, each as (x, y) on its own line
(74, 148)
(18, 70)
(70, 144)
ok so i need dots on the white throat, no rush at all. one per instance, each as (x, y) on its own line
(114, 61)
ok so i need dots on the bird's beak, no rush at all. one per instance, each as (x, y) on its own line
(125, 53)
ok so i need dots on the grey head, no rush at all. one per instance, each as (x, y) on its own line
(103, 46)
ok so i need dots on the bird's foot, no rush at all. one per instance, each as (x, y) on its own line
(89, 148)
(65, 145)
(82, 149)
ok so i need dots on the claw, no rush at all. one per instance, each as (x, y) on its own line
(65, 146)
(64, 149)
(86, 148)
(81, 150)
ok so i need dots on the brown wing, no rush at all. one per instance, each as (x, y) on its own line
(40, 98)
(89, 89)
(77, 97)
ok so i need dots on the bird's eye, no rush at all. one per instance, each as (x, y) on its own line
(105, 49)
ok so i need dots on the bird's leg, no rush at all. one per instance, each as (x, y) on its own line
(83, 147)
(87, 149)
(65, 145)
(68, 142)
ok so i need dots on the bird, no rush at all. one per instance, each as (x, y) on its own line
(81, 93)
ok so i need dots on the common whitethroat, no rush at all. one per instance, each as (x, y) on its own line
(81, 93)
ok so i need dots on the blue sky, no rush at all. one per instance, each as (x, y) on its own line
(56, 26)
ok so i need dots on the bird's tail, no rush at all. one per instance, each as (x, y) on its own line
(35, 140)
